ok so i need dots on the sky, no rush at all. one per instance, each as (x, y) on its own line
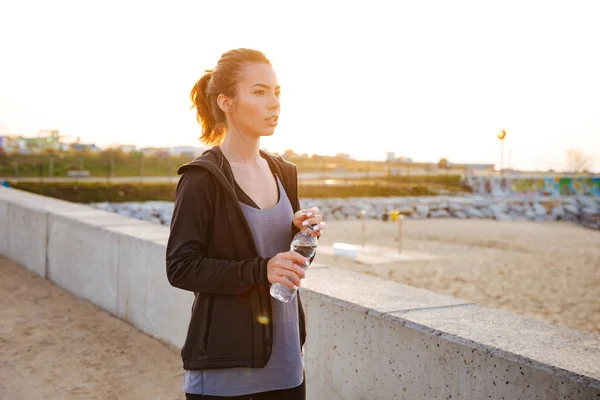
(424, 79)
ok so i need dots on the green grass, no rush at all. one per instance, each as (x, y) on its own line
(97, 164)
(93, 192)
(134, 164)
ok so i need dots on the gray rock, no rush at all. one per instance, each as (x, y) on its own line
(502, 217)
(499, 211)
(480, 202)
(455, 207)
(571, 209)
(590, 217)
(584, 209)
(472, 212)
(350, 210)
(557, 212)
(487, 213)
(439, 205)
(125, 212)
(518, 208)
(498, 208)
(529, 213)
(422, 210)
(587, 202)
(460, 215)
(440, 214)
(590, 210)
(539, 209)
(143, 214)
(165, 217)
(338, 215)
(515, 216)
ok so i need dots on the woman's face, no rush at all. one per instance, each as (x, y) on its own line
(255, 108)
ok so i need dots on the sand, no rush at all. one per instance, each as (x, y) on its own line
(54, 346)
(543, 270)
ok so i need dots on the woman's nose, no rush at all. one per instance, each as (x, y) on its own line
(274, 102)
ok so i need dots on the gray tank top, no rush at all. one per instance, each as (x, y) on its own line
(271, 230)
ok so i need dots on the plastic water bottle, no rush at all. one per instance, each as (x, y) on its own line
(305, 244)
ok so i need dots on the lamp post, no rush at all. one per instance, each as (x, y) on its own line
(363, 215)
(501, 135)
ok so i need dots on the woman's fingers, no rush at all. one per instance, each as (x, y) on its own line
(306, 213)
(292, 271)
(290, 267)
(313, 220)
(296, 258)
(285, 267)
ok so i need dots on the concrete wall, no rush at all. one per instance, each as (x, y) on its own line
(367, 338)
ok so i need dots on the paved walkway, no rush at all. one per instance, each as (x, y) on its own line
(55, 346)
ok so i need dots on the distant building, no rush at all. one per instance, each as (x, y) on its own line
(128, 148)
(390, 156)
(13, 144)
(186, 151)
(153, 151)
(476, 166)
(44, 141)
(85, 146)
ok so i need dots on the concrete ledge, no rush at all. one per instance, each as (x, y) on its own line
(82, 258)
(28, 243)
(367, 337)
(4, 247)
(373, 295)
(145, 297)
(435, 346)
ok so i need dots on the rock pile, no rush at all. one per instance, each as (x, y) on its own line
(159, 212)
(584, 210)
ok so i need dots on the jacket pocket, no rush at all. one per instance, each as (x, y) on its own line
(229, 331)
(209, 313)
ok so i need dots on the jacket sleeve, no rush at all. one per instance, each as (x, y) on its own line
(188, 268)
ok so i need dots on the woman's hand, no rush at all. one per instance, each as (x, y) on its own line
(285, 265)
(309, 216)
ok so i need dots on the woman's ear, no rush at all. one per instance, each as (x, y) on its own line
(224, 103)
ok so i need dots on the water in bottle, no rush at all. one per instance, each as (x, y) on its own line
(305, 244)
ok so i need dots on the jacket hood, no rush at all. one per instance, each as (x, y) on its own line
(213, 159)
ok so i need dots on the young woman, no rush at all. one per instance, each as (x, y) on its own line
(236, 211)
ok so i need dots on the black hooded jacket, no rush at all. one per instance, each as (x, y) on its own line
(211, 252)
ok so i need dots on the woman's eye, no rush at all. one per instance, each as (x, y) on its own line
(260, 92)
(277, 94)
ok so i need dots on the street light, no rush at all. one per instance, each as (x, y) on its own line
(501, 135)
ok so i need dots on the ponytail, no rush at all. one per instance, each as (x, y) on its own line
(206, 108)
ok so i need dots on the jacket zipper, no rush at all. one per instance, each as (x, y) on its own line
(208, 323)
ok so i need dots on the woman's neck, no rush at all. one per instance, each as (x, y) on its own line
(239, 148)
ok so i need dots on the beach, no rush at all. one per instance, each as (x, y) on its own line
(543, 270)
(56, 346)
